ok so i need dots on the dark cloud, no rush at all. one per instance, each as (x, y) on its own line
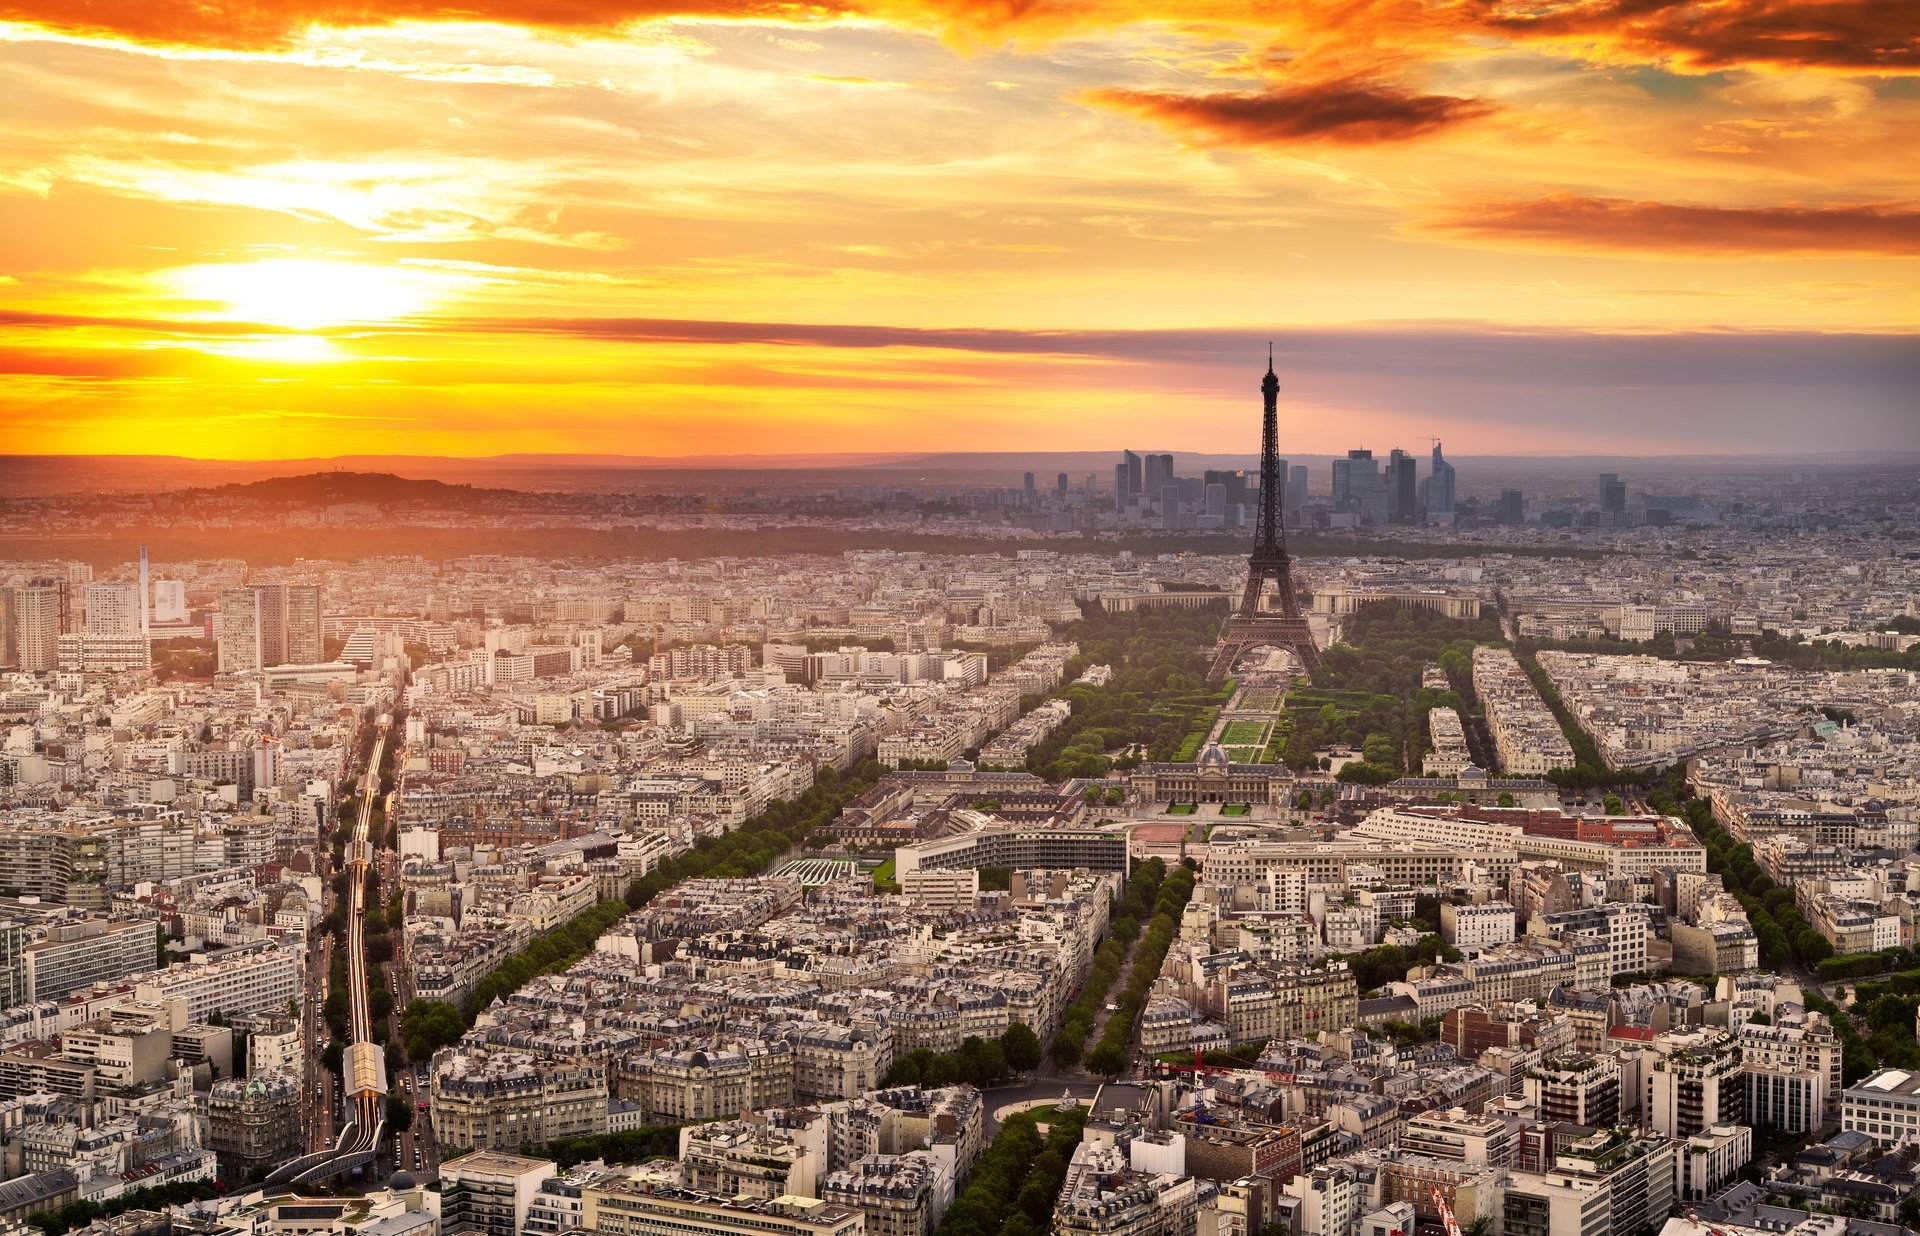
(1485, 353)
(1569, 221)
(1350, 113)
(1855, 35)
(214, 327)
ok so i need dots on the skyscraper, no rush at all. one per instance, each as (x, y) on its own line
(238, 648)
(1357, 486)
(1437, 491)
(270, 624)
(1613, 493)
(1513, 508)
(305, 635)
(41, 612)
(1156, 475)
(1401, 497)
(1296, 492)
(1127, 481)
(1060, 487)
(1028, 495)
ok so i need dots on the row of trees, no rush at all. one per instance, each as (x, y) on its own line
(1783, 932)
(1069, 1042)
(1717, 643)
(1367, 690)
(1156, 696)
(1014, 1187)
(765, 836)
(1110, 1056)
(83, 1212)
(428, 1025)
(978, 1062)
(1589, 769)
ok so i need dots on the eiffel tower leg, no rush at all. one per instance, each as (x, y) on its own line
(1230, 650)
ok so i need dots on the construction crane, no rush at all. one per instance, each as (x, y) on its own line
(1199, 1070)
(1446, 1211)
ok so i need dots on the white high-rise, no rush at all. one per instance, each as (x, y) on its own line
(112, 609)
(169, 600)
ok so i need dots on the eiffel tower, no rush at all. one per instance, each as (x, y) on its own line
(1250, 626)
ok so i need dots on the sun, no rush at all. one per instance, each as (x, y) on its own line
(306, 294)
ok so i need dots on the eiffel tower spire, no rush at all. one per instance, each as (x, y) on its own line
(1282, 626)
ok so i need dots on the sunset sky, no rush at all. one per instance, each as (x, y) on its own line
(318, 227)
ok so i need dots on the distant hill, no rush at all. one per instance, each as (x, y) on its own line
(379, 488)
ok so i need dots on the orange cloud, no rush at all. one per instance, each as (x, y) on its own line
(261, 24)
(1881, 36)
(1350, 113)
(1570, 221)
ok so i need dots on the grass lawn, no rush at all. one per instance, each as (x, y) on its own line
(1244, 755)
(1181, 808)
(1234, 809)
(883, 874)
(1244, 733)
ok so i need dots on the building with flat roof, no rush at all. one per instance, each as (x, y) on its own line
(1023, 849)
(488, 1192)
(1885, 1107)
(643, 1208)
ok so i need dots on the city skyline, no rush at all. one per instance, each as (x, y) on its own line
(271, 232)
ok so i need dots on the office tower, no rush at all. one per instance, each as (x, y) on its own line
(9, 641)
(1512, 507)
(304, 635)
(1357, 486)
(1296, 491)
(1355, 476)
(1060, 487)
(1127, 480)
(1170, 504)
(1437, 491)
(1251, 625)
(1401, 497)
(1027, 488)
(1158, 473)
(1232, 496)
(169, 600)
(40, 618)
(112, 609)
(1613, 493)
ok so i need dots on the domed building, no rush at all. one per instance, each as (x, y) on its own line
(254, 1122)
(1213, 777)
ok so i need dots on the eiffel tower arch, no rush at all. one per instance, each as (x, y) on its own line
(1253, 624)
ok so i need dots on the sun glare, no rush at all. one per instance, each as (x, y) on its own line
(296, 348)
(307, 294)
